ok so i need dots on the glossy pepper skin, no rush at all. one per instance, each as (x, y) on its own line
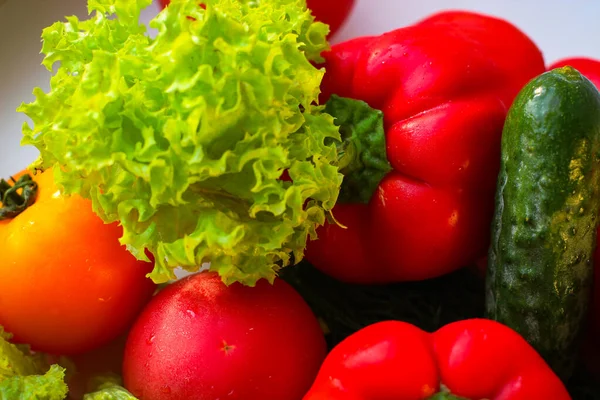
(472, 359)
(444, 86)
(590, 68)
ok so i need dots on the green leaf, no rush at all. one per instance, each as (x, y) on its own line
(27, 376)
(184, 138)
(128, 11)
(17, 360)
(109, 388)
(363, 154)
(50, 386)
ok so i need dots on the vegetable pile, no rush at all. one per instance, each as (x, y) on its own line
(412, 215)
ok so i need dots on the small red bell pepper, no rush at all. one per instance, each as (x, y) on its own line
(444, 86)
(472, 359)
(590, 69)
(331, 12)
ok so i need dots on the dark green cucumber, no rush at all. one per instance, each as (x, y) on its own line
(540, 266)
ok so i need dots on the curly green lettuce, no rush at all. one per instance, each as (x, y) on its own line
(184, 138)
(28, 376)
(109, 387)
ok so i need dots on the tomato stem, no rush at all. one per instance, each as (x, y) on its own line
(14, 202)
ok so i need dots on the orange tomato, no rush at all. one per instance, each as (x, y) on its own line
(66, 283)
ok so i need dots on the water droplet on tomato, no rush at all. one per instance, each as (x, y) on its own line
(150, 339)
(191, 313)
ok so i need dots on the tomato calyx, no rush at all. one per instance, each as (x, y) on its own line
(16, 196)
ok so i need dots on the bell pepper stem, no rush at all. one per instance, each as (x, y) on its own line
(362, 155)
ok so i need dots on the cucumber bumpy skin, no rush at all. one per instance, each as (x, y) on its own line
(540, 265)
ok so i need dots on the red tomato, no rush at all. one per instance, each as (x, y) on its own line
(201, 340)
(332, 12)
(68, 285)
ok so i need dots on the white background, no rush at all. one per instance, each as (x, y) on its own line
(560, 27)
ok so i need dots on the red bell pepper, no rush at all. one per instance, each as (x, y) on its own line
(472, 359)
(444, 86)
(590, 69)
(331, 12)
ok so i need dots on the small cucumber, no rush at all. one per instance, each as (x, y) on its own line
(540, 265)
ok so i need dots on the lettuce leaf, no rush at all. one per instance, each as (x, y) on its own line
(109, 388)
(184, 137)
(50, 386)
(28, 376)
